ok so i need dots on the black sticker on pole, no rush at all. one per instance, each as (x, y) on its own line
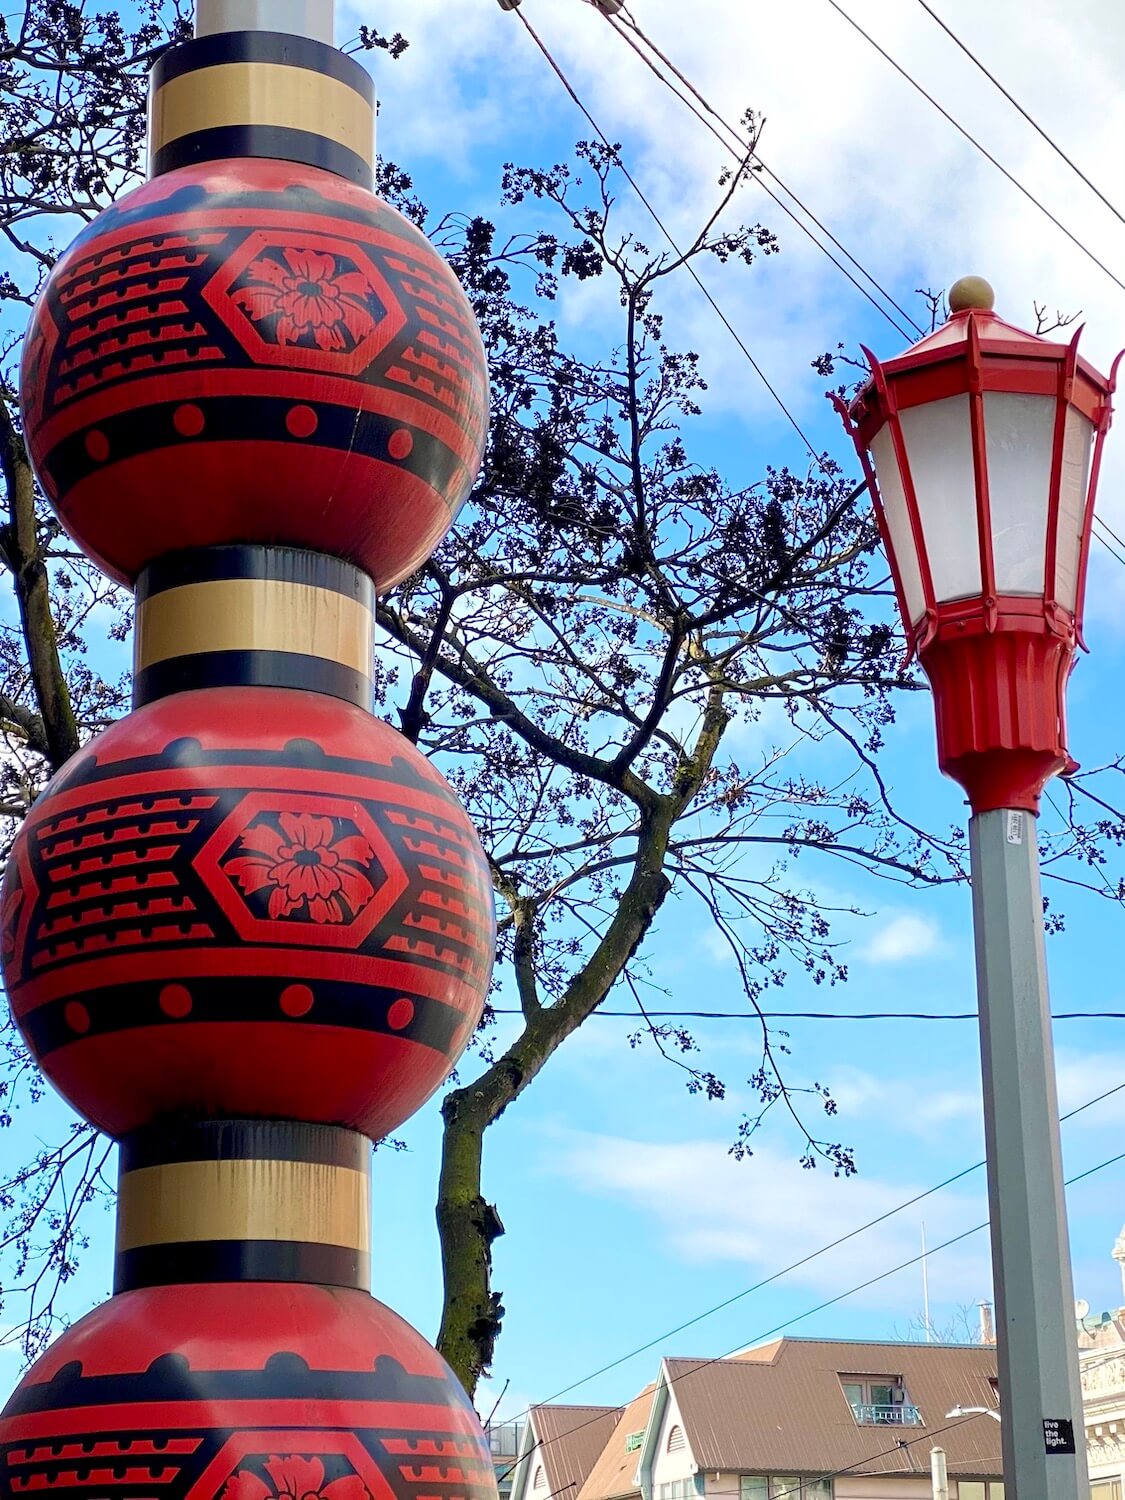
(1058, 1435)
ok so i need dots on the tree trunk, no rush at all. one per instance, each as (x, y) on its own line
(467, 1226)
(58, 739)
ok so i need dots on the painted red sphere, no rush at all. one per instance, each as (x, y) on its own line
(240, 1391)
(270, 343)
(247, 902)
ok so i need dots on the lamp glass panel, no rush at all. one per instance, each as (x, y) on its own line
(1019, 437)
(940, 453)
(893, 497)
(1074, 481)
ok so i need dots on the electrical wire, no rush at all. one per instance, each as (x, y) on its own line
(817, 458)
(806, 1260)
(900, 1444)
(1016, 105)
(1109, 547)
(1073, 238)
(744, 146)
(1104, 524)
(809, 1312)
(642, 36)
(827, 1015)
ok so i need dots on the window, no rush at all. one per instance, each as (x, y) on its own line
(1105, 1489)
(633, 1440)
(978, 1489)
(880, 1400)
(782, 1487)
(677, 1489)
(675, 1439)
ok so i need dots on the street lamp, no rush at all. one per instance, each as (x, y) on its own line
(975, 1411)
(981, 445)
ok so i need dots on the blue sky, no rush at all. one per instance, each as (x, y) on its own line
(625, 1214)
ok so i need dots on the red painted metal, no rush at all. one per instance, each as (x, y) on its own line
(225, 1391)
(206, 915)
(998, 664)
(275, 343)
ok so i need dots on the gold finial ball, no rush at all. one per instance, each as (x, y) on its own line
(969, 292)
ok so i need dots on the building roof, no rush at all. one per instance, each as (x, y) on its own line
(613, 1476)
(781, 1409)
(569, 1440)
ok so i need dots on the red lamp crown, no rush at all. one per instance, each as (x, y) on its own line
(981, 445)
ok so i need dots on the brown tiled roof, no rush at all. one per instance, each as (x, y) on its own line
(781, 1410)
(611, 1478)
(569, 1440)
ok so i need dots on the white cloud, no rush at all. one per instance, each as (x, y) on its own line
(902, 937)
(767, 1213)
(917, 1105)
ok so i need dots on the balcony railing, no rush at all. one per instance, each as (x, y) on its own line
(505, 1438)
(901, 1414)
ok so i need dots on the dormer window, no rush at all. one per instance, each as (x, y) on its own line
(880, 1401)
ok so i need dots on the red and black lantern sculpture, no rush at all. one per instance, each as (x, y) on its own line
(249, 928)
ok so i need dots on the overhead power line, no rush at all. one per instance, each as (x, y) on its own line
(1016, 105)
(738, 149)
(658, 221)
(1016, 183)
(822, 1015)
(820, 1307)
(806, 1260)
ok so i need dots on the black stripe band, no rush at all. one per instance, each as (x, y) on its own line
(287, 669)
(277, 142)
(275, 564)
(241, 1260)
(253, 419)
(249, 998)
(262, 47)
(286, 1377)
(244, 1140)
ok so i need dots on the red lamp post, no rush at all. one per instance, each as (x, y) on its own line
(981, 445)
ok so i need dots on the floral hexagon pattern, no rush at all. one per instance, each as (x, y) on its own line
(305, 867)
(308, 298)
(294, 1477)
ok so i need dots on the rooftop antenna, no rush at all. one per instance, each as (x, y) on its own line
(926, 1290)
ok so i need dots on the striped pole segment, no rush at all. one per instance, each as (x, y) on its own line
(261, 93)
(253, 616)
(244, 1200)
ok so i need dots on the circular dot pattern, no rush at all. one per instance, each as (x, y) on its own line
(188, 420)
(175, 1001)
(400, 1014)
(301, 421)
(296, 1000)
(77, 1017)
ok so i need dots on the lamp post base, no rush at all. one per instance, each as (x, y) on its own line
(1042, 1432)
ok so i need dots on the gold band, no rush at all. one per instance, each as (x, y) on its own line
(254, 614)
(264, 1200)
(266, 95)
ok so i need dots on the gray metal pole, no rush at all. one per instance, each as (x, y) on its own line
(1040, 1394)
(298, 17)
